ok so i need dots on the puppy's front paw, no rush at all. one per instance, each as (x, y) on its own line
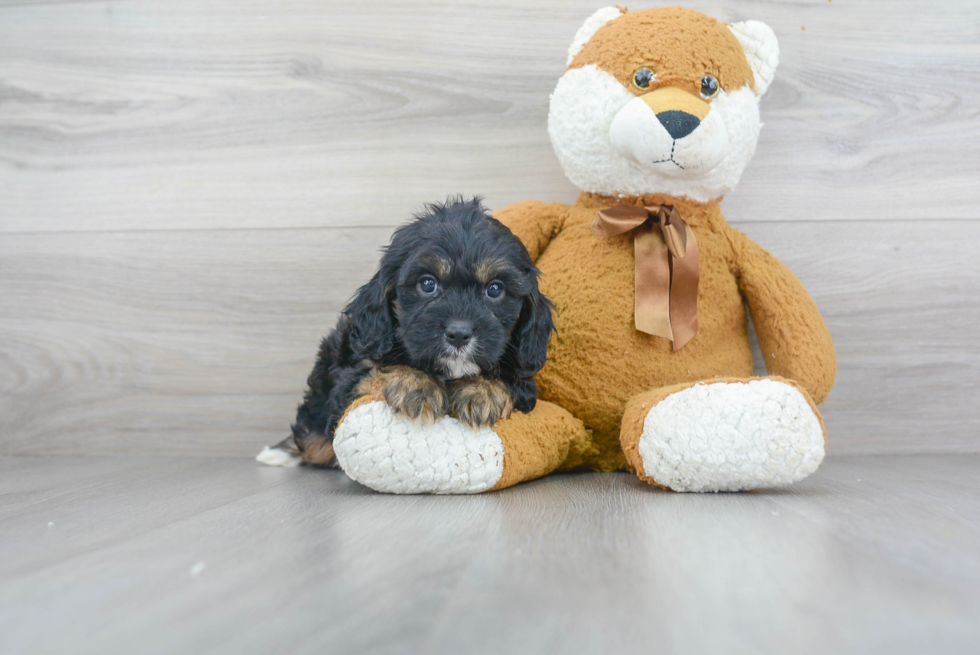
(409, 391)
(478, 402)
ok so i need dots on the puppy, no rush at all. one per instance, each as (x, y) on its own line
(451, 323)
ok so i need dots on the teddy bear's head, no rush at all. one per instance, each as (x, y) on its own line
(663, 100)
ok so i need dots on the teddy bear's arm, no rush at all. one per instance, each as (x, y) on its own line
(793, 337)
(535, 223)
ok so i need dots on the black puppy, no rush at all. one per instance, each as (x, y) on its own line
(452, 323)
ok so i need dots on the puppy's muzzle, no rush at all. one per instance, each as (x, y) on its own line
(459, 334)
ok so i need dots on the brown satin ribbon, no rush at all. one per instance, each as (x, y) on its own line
(666, 269)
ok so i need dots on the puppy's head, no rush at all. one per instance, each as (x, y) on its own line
(457, 295)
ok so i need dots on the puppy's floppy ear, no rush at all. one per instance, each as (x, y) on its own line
(371, 316)
(533, 329)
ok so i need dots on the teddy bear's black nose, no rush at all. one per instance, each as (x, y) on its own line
(678, 123)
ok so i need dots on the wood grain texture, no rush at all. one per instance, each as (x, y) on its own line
(169, 341)
(200, 341)
(190, 114)
(190, 191)
(176, 555)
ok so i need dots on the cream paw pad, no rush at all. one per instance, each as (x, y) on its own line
(391, 453)
(731, 436)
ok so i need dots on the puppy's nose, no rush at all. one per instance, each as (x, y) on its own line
(678, 123)
(459, 334)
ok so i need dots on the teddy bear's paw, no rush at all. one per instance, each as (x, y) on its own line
(389, 452)
(732, 436)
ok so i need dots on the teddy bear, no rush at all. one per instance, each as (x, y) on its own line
(650, 370)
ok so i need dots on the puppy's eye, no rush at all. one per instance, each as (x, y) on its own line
(709, 87)
(642, 78)
(428, 285)
(494, 290)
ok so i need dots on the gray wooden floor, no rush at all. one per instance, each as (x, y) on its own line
(194, 555)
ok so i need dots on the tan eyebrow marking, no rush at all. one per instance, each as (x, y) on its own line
(488, 269)
(441, 267)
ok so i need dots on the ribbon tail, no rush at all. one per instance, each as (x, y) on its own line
(651, 309)
(684, 274)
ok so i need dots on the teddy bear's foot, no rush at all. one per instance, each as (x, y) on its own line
(726, 435)
(391, 453)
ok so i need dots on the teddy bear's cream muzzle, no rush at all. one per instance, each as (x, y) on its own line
(670, 130)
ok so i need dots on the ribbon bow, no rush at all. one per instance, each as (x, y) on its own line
(666, 268)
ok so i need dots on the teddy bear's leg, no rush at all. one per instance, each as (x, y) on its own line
(392, 453)
(726, 434)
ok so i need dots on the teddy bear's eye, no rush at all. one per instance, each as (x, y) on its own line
(709, 87)
(642, 77)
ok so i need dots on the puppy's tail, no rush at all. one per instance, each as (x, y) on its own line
(283, 453)
(316, 450)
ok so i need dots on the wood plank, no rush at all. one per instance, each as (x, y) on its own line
(199, 114)
(199, 342)
(899, 491)
(68, 518)
(186, 341)
(709, 573)
(27, 481)
(570, 564)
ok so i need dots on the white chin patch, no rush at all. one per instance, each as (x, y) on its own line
(607, 140)
(391, 453)
(459, 365)
(731, 436)
(639, 136)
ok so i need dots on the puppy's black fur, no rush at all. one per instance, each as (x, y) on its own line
(455, 296)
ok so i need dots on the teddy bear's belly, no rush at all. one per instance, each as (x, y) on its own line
(597, 360)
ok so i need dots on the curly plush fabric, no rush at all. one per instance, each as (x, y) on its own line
(389, 452)
(724, 435)
(679, 44)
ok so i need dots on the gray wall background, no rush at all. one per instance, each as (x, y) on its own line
(190, 191)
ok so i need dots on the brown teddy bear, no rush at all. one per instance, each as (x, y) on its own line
(654, 119)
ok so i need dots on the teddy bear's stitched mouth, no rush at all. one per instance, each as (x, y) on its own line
(670, 160)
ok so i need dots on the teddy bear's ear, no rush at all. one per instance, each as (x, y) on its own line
(761, 49)
(590, 27)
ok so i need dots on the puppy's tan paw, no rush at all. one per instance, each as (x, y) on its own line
(408, 391)
(478, 402)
